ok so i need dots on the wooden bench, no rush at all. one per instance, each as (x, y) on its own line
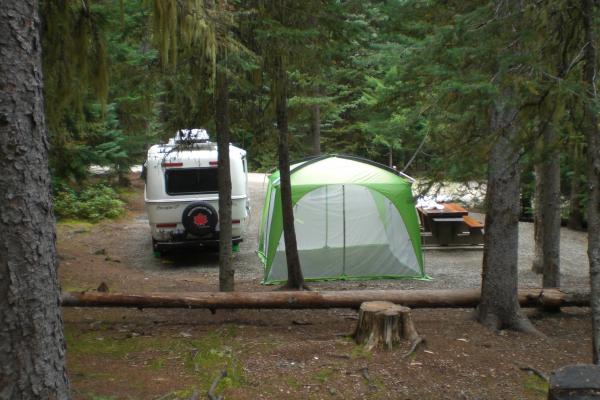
(475, 230)
(449, 226)
(472, 223)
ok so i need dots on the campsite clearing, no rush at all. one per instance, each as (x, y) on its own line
(298, 354)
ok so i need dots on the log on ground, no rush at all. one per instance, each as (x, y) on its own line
(446, 298)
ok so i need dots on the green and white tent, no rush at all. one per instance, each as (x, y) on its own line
(354, 219)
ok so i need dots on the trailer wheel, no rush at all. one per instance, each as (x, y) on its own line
(200, 218)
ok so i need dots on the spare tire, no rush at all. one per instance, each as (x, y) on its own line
(200, 218)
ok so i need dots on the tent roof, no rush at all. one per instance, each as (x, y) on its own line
(338, 169)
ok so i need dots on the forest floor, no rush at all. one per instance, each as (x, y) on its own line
(299, 354)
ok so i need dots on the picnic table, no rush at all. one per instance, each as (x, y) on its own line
(450, 225)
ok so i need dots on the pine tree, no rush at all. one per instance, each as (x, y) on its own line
(32, 345)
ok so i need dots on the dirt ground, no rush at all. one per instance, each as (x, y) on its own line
(306, 354)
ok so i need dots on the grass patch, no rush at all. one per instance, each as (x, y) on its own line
(179, 394)
(76, 223)
(204, 357)
(292, 382)
(324, 375)
(213, 353)
(360, 352)
(98, 397)
(536, 385)
(157, 364)
(99, 344)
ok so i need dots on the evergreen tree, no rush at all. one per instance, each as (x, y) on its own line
(32, 345)
(593, 161)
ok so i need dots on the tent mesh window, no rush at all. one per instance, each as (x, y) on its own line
(191, 181)
(349, 230)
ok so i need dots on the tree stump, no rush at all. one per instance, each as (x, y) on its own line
(384, 323)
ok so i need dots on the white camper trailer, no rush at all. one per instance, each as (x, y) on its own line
(181, 193)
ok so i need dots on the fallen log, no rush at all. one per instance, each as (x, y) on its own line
(445, 298)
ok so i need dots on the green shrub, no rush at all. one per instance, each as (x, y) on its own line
(93, 203)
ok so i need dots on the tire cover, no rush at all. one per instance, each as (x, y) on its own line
(200, 218)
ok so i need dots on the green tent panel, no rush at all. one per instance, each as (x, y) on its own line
(354, 219)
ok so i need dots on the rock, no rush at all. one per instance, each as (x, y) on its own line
(575, 382)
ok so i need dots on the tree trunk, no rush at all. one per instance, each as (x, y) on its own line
(537, 265)
(295, 277)
(499, 306)
(32, 346)
(226, 270)
(592, 135)
(438, 298)
(575, 213)
(315, 128)
(550, 208)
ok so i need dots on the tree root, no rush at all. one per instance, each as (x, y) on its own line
(535, 371)
(520, 323)
(365, 373)
(211, 392)
(414, 346)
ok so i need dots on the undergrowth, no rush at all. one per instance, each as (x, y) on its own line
(92, 203)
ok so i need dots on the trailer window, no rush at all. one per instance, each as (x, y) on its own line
(191, 181)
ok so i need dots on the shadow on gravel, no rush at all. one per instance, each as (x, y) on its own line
(190, 257)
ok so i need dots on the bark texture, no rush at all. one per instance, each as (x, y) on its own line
(226, 270)
(32, 347)
(499, 306)
(295, 277)
(446, 298)
(575, 213)
(592, 135)
(537, 264)
(550, 209)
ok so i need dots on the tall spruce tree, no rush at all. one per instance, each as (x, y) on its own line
(499, 307)
(559, 51)
(592, 132)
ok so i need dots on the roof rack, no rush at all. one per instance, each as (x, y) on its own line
(191, 136)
